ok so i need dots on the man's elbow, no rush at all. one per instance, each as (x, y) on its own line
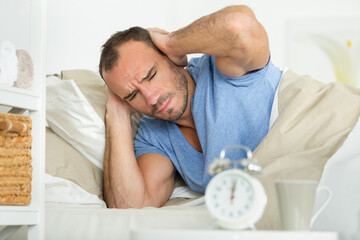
(121, 205)
(139, 202)
(240, 9)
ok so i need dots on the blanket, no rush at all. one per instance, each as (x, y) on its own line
(314, 119)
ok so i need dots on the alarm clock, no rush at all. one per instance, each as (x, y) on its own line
(233, 196)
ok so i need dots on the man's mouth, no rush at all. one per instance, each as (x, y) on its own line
(165, 106)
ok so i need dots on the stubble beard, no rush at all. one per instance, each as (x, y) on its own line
(182, 87)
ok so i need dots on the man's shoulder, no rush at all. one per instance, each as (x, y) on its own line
(150, 124)
(151, 120)
(198, 60)
(153, 132)
(198, 65)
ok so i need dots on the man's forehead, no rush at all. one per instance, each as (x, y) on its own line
(135, 65)
(134, 47)
(135, 70)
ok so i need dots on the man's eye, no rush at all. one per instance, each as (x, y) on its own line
(134, 95)
(152, 76)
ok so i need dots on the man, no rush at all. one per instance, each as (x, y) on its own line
(223, 98)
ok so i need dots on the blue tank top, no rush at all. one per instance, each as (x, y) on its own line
(227, 111)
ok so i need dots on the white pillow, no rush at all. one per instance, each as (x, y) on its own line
(71, 116)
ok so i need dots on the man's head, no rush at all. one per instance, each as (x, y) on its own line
(140, 74)
(110, 54)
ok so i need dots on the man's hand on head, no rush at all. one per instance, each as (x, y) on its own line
(161, 38)
(114, 101)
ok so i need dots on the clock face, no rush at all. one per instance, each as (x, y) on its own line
(230, 195)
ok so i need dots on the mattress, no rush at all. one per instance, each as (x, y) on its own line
(69, 221)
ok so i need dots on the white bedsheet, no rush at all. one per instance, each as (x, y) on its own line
(73, 213)
(59, 190)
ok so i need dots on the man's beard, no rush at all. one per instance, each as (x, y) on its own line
(182, 87)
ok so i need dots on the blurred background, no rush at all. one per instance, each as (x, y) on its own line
(316, 37)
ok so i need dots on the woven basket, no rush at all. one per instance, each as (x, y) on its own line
(15, 159)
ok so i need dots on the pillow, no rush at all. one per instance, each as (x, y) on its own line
(71, 116)
(93, 88)
(64, 161)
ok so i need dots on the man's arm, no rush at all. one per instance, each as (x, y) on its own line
(232, 34)
(131, 182)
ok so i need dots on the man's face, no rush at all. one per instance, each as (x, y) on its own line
(148, 81)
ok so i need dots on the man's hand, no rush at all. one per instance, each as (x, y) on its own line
(233, 35)
(113, 101)
(160, 38)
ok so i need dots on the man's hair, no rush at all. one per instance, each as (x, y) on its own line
(110, 53)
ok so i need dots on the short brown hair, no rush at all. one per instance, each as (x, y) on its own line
(109, 53)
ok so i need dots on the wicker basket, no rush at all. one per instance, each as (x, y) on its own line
(15, 159)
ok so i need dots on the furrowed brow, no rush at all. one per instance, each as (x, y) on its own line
(128, 96)
(148, 75)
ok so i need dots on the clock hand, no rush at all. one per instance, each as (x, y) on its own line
(232, 191)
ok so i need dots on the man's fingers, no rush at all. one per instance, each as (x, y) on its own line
(183, 61)
(160, 38)
(156, 30)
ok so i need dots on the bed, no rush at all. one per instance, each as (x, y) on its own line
(306, 141)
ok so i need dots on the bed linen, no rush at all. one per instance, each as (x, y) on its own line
(304, 134)
(60, 190)
(80, 112)
(314, 119)
(341, 175)
(64, 222)
(73, 213)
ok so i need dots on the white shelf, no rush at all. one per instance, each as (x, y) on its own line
(19, 216)
(20, 98)
(34, 101)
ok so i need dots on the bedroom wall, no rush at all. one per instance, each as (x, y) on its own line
(76, 29)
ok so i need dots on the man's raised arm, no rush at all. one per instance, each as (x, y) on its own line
(232, 34)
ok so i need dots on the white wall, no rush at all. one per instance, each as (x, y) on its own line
(14, 25)
(77, 28)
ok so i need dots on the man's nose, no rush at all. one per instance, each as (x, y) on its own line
(150, 94)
